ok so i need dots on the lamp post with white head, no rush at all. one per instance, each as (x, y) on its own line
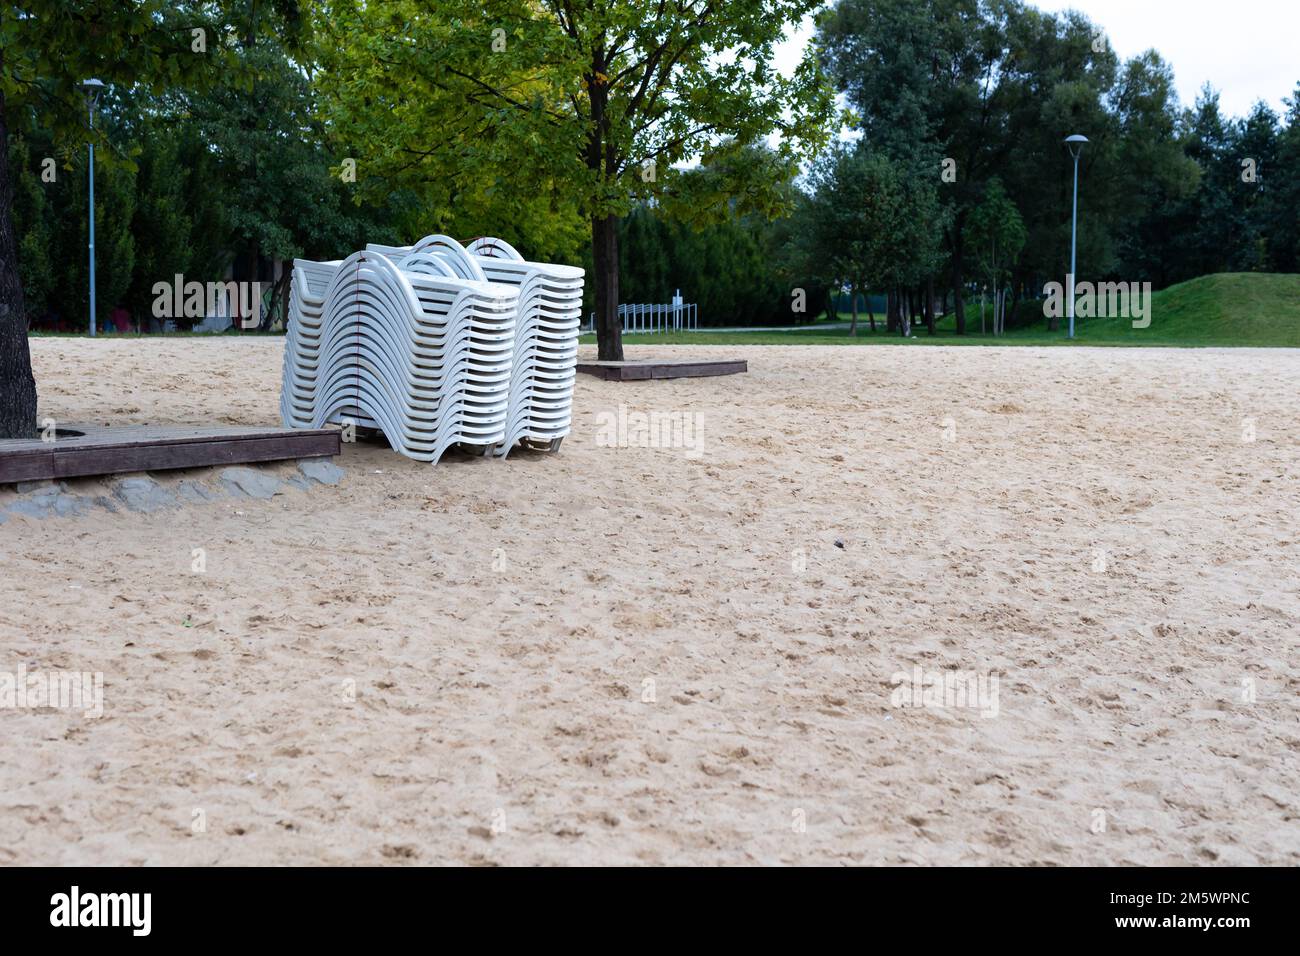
(92, 89)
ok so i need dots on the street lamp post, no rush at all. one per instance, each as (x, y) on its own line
(92, 88)
(1075, 144)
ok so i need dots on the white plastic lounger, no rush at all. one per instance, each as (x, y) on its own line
(424, 357)
(435, 345)
(546, 342)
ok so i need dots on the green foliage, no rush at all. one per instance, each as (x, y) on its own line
(995, 85)
(536, 120)
(870, 222)
(575, 96)
(234, 156)
(51, 224)
(178, 221)
(1241, 214)
(726, 268)
(233, 167)
(34, 229)
(997, 234)
(50, 46)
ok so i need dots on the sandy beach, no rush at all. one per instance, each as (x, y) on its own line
(690, 654)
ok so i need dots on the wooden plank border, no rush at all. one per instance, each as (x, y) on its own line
(643, 371)
(101, 455)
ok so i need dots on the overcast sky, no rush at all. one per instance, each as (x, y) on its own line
(1247, 49)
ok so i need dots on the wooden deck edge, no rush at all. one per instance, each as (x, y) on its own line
(645, 371)
(79, 462)
(33, 465)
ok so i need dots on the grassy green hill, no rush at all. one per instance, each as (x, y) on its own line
(1243, 308)
(1248, 309)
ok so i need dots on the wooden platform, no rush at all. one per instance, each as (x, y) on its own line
(639, 371)
(100, 450)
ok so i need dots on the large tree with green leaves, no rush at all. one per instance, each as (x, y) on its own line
(966, 89)
(270, 160)
(1280, 207)
(874, 221)
(997, 234)
(588, 105)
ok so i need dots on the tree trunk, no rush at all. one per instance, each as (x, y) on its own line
(929, 305)
(602, 161)
(609, 331)
(891, 312)
(17, 385)
(279, 300)
(871, 313)
(853, 326)
(245, 268)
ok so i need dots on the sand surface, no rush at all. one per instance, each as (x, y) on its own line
(646, 655)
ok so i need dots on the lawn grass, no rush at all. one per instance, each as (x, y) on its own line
(1241, 309)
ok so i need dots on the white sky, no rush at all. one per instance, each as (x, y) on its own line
(1246, 49)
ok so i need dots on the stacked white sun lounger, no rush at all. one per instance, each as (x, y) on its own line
(416, 341)
(417, 351)
(546, 342)
(307, 286)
